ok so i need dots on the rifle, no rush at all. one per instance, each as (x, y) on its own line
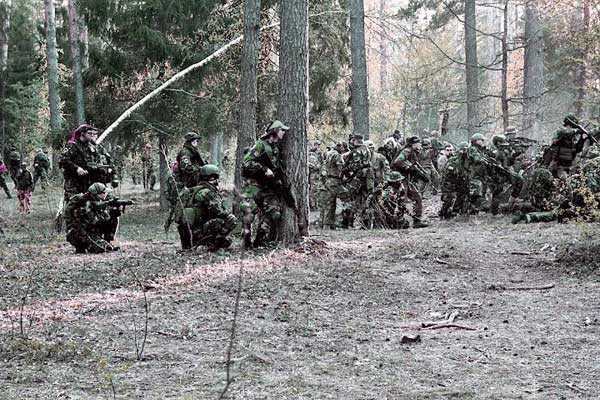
(280, 182)
(114, 203)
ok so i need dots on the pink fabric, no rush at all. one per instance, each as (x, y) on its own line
(74, 137)
(3, 168)
(24, 197)
(174, 167)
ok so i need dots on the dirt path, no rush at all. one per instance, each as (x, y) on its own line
(321, 321)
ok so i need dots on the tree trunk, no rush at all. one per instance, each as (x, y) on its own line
(293, 111)
(216, 149)
(533, 74)
(471, 68)
(248, 88)
(75, 47)
(383, 49)
(504, 94)
(163, 171)
(583, 54)
(5, 6)
(360, 94)
(53, 91)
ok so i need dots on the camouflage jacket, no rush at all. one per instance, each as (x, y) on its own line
(202, 203)
(92, 158)
(24, 181)
(333, 164)
(41, 161)
(566, 143)
(189, 162)
(457, 168)
(257, 160)
(315, 160)
(391, 149)
(83, 212)
(408, 164)
(381, 169)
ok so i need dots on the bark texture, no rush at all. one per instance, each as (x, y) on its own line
(5, 7)
(75, 46)
(293, 111)
(533, 74)
(52, 56)
(360, 94)
(471, 68)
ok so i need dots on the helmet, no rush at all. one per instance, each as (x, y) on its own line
(413, 140)
(97, 188)
(426, 142)
(190, 137)
(356, 136)
(209, 170)
(395, 177)
(477, 136)
(496, 139)
(462, 145)
(277, 125)
(570, 119)
(369, 144)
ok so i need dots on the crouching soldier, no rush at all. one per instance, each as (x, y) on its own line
(203, 219)
(92, 219)
(391, 206)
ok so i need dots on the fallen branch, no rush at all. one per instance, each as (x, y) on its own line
(450, 320)
(437, 260)
(520, 253)
(441, 326)
(502, 287)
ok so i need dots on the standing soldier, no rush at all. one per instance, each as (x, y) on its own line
(428, 159)
(455, 183)
(333, 186)
(3, 184)
(203, 219)
(315, 160)
(357, 176)
(566, 144)
(24, 186)
(407, 163)
(14, 163)
(264, 165)
(392, 146)
(189, 161)
(41, 165)
(147, 168)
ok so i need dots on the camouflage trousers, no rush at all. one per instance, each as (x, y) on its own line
(455, 194)
(332, 191)
(4, 186)
(40, 174)
(269, 209)
(499, 187)
(212, 233)
(354, 200)
(93, 239)
(315, 187)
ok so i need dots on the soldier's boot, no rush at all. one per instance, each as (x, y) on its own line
(419, 223)
(518, 217)
(261, 237)
(185, 236)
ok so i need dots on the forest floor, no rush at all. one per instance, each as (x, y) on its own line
(323, 320)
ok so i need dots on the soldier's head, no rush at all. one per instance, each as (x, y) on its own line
(369, 144)
(414, 142)
(191, 138)
(478, 140)
(435, 133)
(98, 190)
(86, 133)
(449, 149)
(356, 140)
(426, 143)
(315, 145)
(570, 120)
(498, 140)
(40, 150)
(397, 135)
(395, 179)
(275, 132)
(210, 173)
(510, 131)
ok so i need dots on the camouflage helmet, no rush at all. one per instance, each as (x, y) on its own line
(209, 170)
(369, 144)
(413, 140)
(496, 139)
(395, 177)
(462, 146)
(356, 136)
(426, 142)
(190, 137)
(97, 188)
(277, 125)
(477, 136)
(570, 119)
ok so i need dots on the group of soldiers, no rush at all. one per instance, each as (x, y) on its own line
(24, 181)
(380, 187)
(371, 187)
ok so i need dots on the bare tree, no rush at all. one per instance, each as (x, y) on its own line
(583, 55)
(52, 56)
(383, 49)
(360, 94)
(5, 6)
(293, 110)
(74, 37)
(504, 90)
(471, 67)
(533, 74)
(248, 87)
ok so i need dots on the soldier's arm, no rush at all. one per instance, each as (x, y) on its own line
(67, 160)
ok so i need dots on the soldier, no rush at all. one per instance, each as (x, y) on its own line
(203, 220)
(428, 161)
(264, 165)
(390, 207)
(41, 165)
(357, 177)
(315, 160)
(189, 161)
(148, 177)
(84, 163)
(407, 163)
(334, 187)
(24, 187)
(455, 183)
(92, 219)
(3, 170)
(392, 146)
(566, 144)
(14, 163)
(443, 158)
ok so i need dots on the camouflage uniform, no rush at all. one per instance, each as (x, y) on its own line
(259, 164)
(3, 170)
(427, 161)
(391, 148)
(24, 188)
(390, 206)
(407, 163)
(41, 165)
(189, 162)
(358, 180)
(14, 163)
(566, 144)
(502, 175)
(249, 210)
(91, 225)
(203, 219)
(334, 187)
(455, 185)
(315, 161)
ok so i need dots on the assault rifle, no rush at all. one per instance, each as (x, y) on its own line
(518, 143)
(281, 183)
(114, 203)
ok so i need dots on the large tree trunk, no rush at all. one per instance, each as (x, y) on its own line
(74, 35)
(383, 49)
(5, 6)
(163, 171)
(504, 94)
(53, 91)
(471, 68)
(248, 87)
(583, 54)
(293, 111)
(360, 94)
(533, 74)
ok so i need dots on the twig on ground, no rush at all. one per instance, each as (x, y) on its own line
(520, 253)
(449, 320)
(437, 260)
(441, 326)
(502, 287)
